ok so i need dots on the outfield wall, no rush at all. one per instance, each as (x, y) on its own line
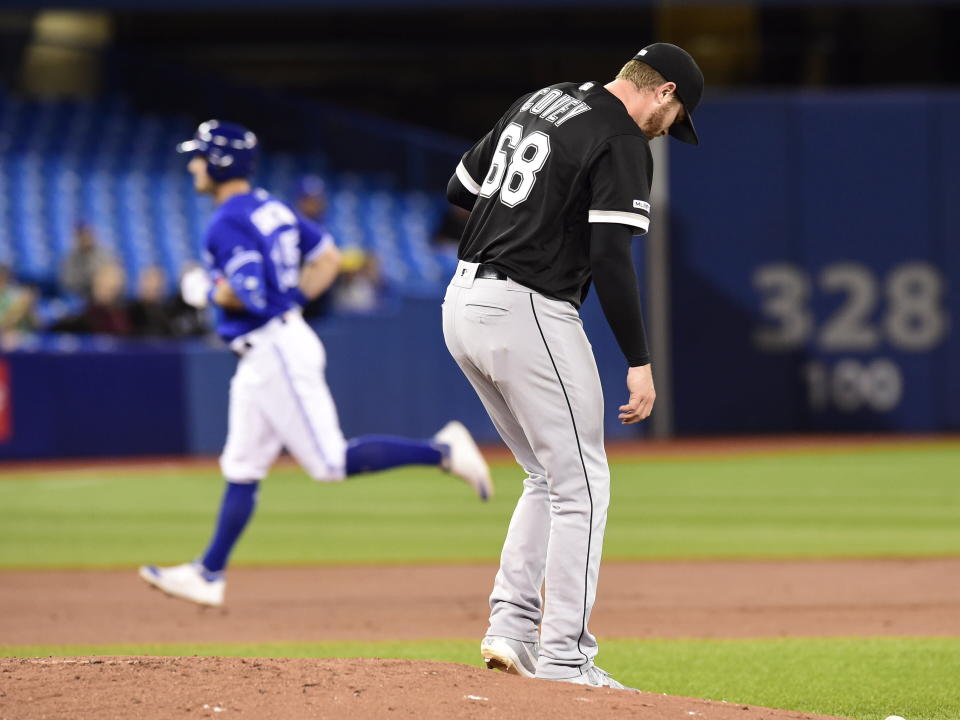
(815, 246)
(815, 265)
(388, 374)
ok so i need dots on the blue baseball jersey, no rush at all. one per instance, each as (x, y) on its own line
(259, 244)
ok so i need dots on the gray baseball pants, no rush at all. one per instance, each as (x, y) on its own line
(529, 360)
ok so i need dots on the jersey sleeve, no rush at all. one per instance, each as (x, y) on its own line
(314, 239)
(620, 178)
(475, 162)
(235, 253)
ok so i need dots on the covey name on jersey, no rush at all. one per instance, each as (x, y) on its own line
(554, 106)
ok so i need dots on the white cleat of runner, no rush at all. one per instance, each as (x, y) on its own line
(186, 582)
(464, 459)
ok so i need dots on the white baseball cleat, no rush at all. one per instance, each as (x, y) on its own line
(464, 459)
(187, 582)
(595, 677)
(510, 656)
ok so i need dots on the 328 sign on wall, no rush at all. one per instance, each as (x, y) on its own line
(903, 311)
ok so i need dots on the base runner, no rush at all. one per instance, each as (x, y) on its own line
(264, 262)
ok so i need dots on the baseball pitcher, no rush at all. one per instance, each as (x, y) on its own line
(556, 191)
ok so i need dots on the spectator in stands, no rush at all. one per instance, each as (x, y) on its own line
(151, 312)
(187, 320)
(83, 261)
(358, 285)
(312, 198)
(16, 304)
(312, 204)
(106, 313)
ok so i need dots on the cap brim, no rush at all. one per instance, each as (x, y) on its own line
(685, 131)
(188, 146)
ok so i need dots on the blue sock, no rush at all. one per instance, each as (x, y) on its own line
(370, 453)
(236, 509)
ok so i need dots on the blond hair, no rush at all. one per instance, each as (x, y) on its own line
(641, 75)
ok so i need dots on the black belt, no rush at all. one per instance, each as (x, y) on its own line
(247, 345)
(488, 272)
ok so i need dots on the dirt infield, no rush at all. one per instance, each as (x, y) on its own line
(635, 600)
(699, 599)
(162, 688)
(643, 599)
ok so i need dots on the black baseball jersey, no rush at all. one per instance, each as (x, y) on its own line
(561, 158)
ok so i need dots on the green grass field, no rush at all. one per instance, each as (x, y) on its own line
(899, 501)
(895, 502)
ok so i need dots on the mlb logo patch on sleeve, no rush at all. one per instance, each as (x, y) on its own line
(641, 205)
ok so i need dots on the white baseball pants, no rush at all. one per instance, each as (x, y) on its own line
(280, 399)
(529, 360)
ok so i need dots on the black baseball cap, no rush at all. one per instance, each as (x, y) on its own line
(677, 66)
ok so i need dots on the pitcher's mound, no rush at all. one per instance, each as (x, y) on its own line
(291, 688)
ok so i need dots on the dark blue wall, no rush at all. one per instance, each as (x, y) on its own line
(389, 373)
(106, 399)
(837, 195)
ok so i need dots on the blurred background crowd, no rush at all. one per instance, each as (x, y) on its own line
(93, 295)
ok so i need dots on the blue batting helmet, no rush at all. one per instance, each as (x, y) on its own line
(229, 149)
